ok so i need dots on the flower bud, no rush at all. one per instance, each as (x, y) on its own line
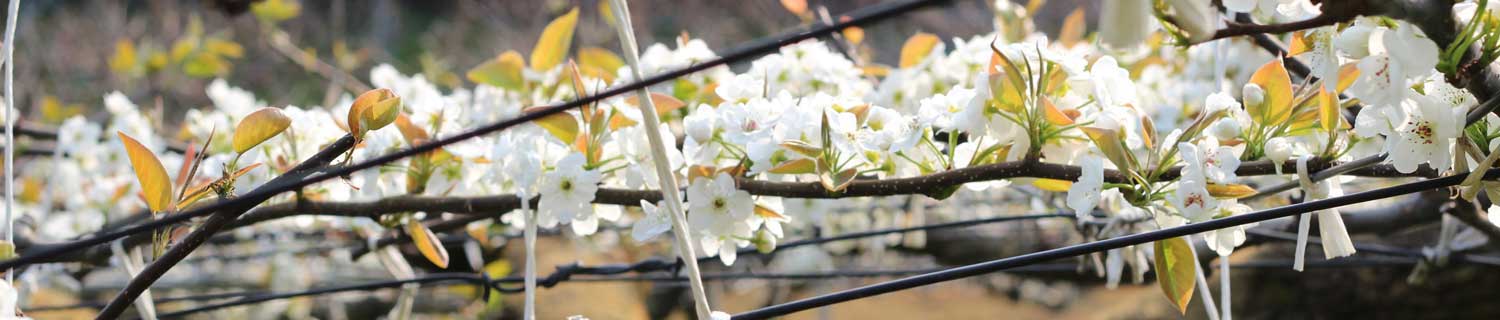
(1225, 129)
(1278, 149)
(1253, 95)
(764, 241)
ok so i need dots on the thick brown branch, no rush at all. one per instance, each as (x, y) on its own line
(1235, 29)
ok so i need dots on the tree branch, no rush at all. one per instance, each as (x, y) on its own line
(216, 221)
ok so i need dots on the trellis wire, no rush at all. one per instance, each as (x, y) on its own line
(1098, 246)
(253, 297)
(760, 47)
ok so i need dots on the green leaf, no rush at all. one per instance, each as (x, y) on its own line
(504, 71)
(1175, 271)
(553, 46)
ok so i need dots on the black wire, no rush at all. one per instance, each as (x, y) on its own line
(466, 278)
(860, 17)
(1098, 246)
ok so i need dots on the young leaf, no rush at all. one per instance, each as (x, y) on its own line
(1111, 145)
(1072, 28)
(1230, 191)
(767, 213)
(259, 126)
(599, 63)
(1277, 108)
(917, 47)
(1175, 270)
(427, 243)
(373, 110)
(503, 71)
(797, 7)
(802, 148)
(1054, 115)
(553, 46)
(1053, 185)
(155, 186)
(1330, 114)
(799, 166)
(837, 182)
(665, 104)
(561, 125)
(410, 131)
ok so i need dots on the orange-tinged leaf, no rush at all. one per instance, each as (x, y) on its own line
(1230, 191)
(504, 71)
(555, 41)
(620, 121)
(1347, 74)
(1053, 115)
(695, 172)
(1053, 185)
(155, 186)
(1299, 44)
(917, 47)
(1277, 108)
(665, 103)
(1175, 271)
(411, 131)
(855, 35)
(259, 126)
(798, 166)
(1072, 28)
(427, 243)
(875, 70)
(767, 213)
(797, 7)
(373, 110)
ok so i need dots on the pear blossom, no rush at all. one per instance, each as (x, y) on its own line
(654, 222)
(567, 195)
(1083, 195)
(1426, 135)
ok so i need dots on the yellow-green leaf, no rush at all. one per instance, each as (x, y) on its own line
(837, 182)
(553, 46)
(855, 35)
(1347, 74)
(802, 148)
(916, 48)
(1053, 185)
(427, 243)
(276, 10)
(1054, 115)
(1111, 145)
(155, 186)
(797, 7)
(599, 62)
(1175, 270)
(1330, 113)
(1072, 28)
(799, 166)
(373, 110)
(504, 71)
(124, 59)
(561, 125)
(1277, 108)
(259, 126)
(1230, 191)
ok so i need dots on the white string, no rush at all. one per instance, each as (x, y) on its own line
(1224, 287)
(1305, 218)
(10, 128)
(1208, 297)
(530, 254)
(685, 247)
